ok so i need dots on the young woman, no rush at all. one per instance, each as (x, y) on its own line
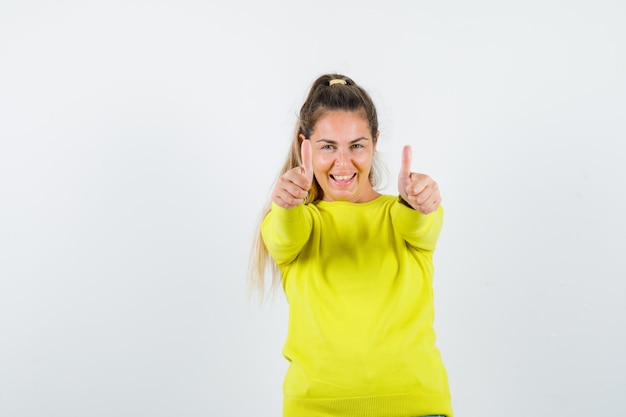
(356, 267)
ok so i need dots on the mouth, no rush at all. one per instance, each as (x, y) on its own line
(342, 179)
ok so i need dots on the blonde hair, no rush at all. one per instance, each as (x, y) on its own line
(330, 92)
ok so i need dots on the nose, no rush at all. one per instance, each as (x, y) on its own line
(342, 157)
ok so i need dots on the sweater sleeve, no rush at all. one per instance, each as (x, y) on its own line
(285, 232)
(419, 230)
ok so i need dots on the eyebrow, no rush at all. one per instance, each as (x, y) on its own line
(333, 142)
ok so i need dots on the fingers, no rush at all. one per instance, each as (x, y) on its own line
(286, 201)
(422, 193)
(307, 160)
(419, 190)
(293, 186)
(407, 156)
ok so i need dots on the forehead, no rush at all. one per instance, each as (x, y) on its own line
(339, 123)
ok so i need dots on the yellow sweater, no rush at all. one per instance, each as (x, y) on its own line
(358, 279)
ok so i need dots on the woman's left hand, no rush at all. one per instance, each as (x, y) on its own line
(419, 190)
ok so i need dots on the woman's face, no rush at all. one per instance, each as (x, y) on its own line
(343, 150)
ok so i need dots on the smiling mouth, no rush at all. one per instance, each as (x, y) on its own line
(342, 177)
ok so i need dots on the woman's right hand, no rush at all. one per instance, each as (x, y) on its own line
(293, 186)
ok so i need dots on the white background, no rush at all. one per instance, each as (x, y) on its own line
(139, 141)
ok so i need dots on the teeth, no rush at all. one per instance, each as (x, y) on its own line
(342, 177)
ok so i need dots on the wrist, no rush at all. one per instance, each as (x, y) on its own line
(404, 202)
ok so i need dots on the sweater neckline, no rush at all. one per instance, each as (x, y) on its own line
(328, 204)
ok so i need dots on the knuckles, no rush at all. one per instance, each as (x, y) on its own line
(291, 188)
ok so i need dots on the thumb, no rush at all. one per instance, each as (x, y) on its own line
(407, 155)
(307, 159)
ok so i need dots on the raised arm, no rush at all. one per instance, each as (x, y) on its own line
(288, 225)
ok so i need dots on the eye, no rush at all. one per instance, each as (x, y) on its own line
(357, 146)
(327, 147)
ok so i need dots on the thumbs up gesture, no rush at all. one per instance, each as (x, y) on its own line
(293, 186)
(419, 190)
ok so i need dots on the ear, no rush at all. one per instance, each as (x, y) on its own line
(301, 137)
(376, 139)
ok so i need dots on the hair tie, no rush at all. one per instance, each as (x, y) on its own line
(336, 81)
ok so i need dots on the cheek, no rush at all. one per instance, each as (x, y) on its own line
(321, 162)
(364, 161)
